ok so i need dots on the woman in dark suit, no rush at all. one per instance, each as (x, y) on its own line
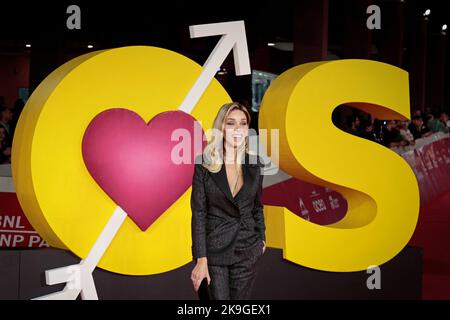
(228, 229)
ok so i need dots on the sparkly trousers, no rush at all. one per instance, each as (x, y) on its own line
(235, 281)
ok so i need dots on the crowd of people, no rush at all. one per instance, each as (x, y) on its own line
(8, 121)
(399, 133)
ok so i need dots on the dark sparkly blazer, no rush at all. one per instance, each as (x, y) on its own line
(217, 216)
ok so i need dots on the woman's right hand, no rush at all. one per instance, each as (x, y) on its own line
(200, 272)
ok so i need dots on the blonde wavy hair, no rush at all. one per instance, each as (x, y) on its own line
(213, 152)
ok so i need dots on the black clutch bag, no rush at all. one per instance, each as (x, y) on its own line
(204, 291)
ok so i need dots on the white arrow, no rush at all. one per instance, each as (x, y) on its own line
(79, 276)
(233, 38)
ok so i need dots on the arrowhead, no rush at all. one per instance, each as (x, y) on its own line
(234, 30)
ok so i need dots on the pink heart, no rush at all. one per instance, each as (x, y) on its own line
(131, 160)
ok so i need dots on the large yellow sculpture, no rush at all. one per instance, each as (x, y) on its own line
(69, 210)
(379, 186)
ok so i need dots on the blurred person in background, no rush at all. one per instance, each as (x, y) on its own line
(6, 116)
(426, 113)
(402, 126)
(368, 131)
(435, 125)
(417, 113)
(418, 128)
(353, 125)
(392, 137)
(444, 119)
(5, 151)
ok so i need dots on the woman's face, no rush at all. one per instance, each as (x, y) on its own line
(236, 128)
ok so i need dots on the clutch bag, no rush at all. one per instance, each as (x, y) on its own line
(204, 291)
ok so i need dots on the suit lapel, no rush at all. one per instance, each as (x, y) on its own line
(220, 178)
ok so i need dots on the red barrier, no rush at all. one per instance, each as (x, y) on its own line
(15, 230)
(431, 165)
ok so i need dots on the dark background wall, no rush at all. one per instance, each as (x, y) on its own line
(14, 74)
(303, 31)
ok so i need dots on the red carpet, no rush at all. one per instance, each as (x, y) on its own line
(433, 235)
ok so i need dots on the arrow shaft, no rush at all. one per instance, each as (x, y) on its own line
(212, 64)
(102, 243)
